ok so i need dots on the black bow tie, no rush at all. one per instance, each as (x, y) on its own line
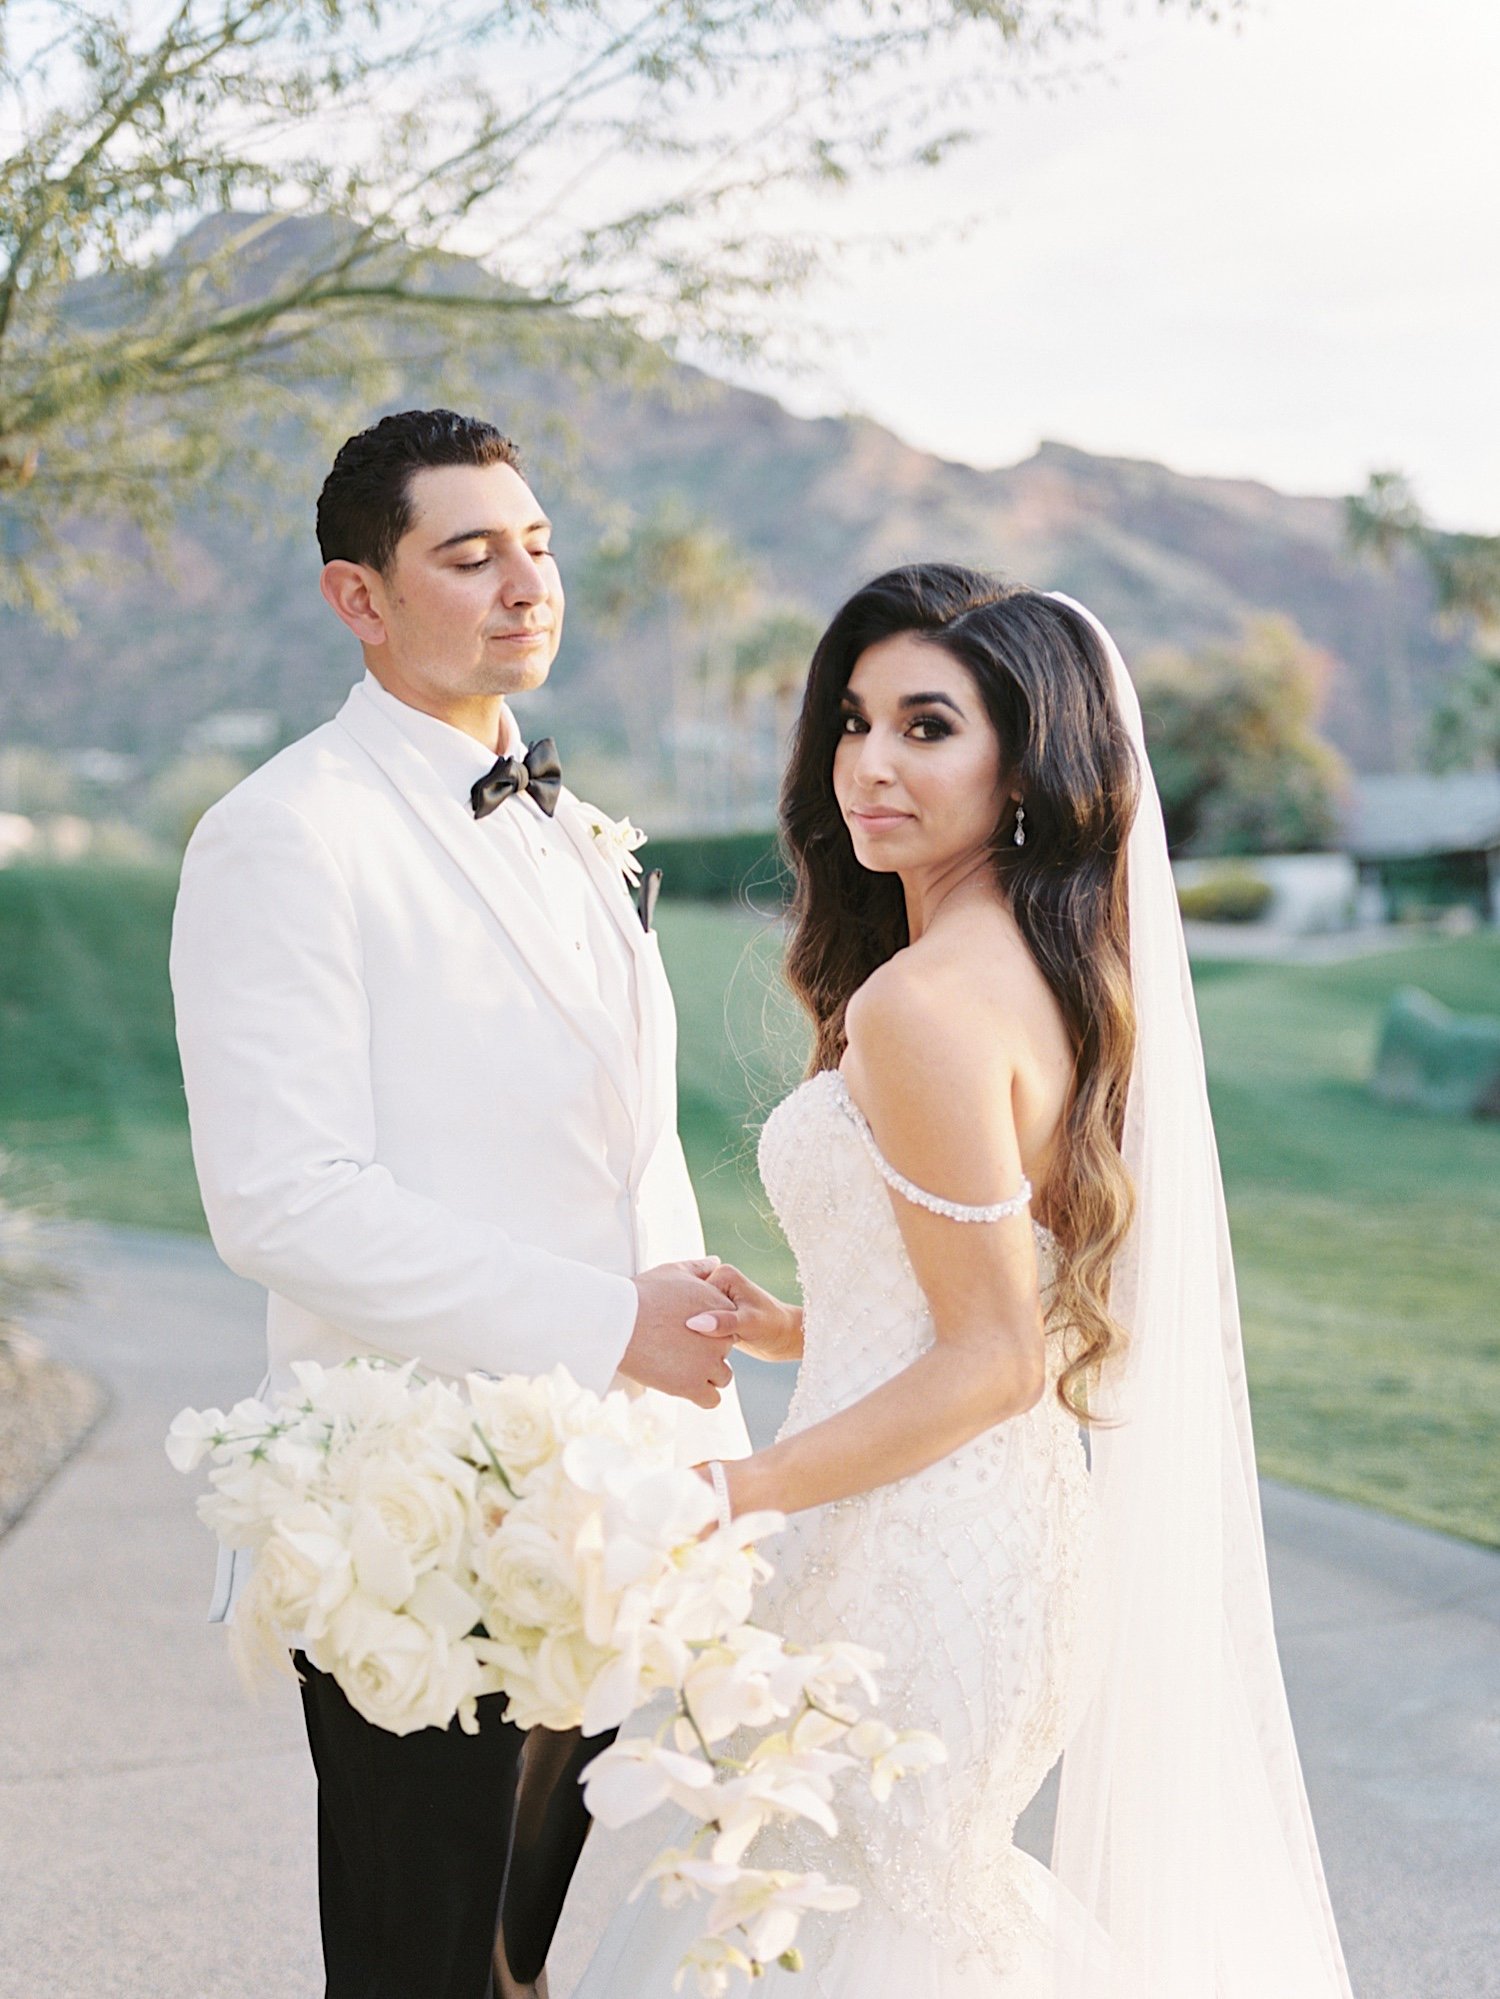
(540, 774)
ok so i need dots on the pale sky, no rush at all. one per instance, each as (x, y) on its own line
(1271, 250)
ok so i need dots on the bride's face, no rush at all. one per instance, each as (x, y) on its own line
(917, 770)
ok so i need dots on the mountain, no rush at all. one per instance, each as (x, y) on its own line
(235, 622)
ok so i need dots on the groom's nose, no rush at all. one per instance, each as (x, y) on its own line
(521, 579)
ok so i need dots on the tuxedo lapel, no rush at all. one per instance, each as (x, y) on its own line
(451, 824)
(656, 1044)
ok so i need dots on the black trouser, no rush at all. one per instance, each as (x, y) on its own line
(422, 1842)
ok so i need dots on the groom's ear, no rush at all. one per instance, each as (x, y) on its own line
(347, 587)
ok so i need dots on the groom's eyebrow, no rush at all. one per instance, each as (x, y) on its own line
(541, 525)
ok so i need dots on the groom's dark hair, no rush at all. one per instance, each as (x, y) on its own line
(365, 505)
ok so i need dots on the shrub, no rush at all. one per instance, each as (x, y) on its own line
(720, 867)
(1436, 1060)
(1235, 896)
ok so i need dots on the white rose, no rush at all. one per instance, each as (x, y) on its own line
(421, 1507)
(301, 1575)
(526, 1571)
(547, 1681)
(442, 1417)
(517, 1419)
(398, 1673)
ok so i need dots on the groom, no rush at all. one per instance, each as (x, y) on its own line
(429, 1051)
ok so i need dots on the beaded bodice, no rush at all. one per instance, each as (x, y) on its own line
(865, 1317)
(963, 1577)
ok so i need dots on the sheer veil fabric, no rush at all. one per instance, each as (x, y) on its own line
(1183, 1824)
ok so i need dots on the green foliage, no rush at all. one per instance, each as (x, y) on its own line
(776, 652)
(1233, 895)
(1387, 518)
(180, 795)
(742, 1044)
(1233, 743)
(89, 1081)
(561, 140)
(720, 867)
(1363, 1231)
(1465, 727)
(1464, 570)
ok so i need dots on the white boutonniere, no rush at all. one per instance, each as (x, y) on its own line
(617, 840)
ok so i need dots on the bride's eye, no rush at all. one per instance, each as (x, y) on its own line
(851, 724)
(933, 726)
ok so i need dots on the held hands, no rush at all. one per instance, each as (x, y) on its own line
(688, 1317)
(663, 1353)
(762, 1324)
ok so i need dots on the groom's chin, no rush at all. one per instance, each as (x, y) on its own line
(517, 676)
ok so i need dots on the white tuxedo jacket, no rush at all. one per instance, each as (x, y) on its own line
(412, 1119)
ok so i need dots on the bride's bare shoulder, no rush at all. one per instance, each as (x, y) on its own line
(948, 1001)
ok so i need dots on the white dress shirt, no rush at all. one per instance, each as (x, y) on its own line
(548, 865)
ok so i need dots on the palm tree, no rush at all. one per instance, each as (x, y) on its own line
(671, 573)
(1465, 571)
(770, 659)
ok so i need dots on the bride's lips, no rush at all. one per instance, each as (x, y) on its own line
(876, 822)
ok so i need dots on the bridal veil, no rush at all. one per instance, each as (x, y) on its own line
(1183, 1825)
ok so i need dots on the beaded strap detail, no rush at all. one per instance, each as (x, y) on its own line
(955, 1211)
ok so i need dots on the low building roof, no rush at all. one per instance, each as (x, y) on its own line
(1409, 816)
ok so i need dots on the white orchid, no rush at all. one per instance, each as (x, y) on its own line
(633, 1777)
(891, 1755)
(713, 1961)
(767, 1904)
(617, 840)
(428, 1545)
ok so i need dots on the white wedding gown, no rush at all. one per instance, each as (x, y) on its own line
(965, 1578)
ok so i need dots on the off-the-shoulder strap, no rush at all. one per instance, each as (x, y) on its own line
(956, 1211)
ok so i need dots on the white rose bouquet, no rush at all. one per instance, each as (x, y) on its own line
(426, 1545)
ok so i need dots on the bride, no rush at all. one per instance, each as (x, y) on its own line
(1018, 1460)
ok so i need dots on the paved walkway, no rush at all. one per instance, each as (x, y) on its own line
(1264, 943)
(156, 1829)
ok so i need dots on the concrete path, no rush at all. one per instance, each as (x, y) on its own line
(1265, 943)
(156, 1829)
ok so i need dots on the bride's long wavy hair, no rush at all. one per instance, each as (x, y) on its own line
(1046, 686)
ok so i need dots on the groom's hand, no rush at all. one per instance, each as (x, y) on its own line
(764, 1326)
(662, 1352)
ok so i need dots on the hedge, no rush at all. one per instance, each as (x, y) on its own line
(720, 867)
(1235, 896)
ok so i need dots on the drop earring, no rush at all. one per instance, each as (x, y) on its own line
(1019, 836)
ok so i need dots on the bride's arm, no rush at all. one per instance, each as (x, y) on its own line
(936, 1087)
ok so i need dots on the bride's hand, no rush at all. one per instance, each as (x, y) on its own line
(763, 1325)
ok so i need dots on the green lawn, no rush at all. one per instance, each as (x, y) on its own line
(1366, 1237)
(89, 1085)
